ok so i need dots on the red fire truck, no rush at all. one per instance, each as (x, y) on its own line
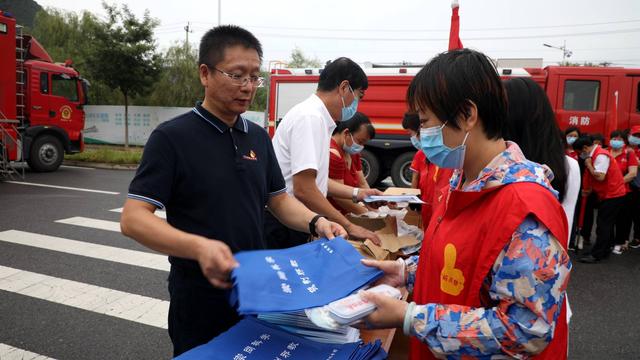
(41, 103)
(596, 99)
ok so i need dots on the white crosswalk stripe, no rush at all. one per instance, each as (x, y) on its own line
(63, 187)
(103, 252)
(120, 304)
(8, 352)
(91, 223)
(159, 213)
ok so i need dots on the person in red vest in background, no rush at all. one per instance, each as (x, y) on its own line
(491, 277)
(628, 165)
(571, 134)
(634, 143)
(427, 177)
(603, 177)
(345, 166)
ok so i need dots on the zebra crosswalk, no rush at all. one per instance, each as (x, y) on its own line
(129, 310)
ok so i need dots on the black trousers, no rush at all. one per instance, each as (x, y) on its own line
(589, 215)
(278, 236)
(623, 221)
(607, 213)
(198, 312)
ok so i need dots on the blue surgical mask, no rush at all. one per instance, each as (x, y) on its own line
(416, 143)
(437, 152)
(584, 156)
(571, 139)
(349, 111)
(634, 140)
(616, 144)
(355, 148)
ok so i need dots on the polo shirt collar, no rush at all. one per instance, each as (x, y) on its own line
(240, 124)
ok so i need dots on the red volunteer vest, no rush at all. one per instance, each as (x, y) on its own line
(613, 184)
(465, 236)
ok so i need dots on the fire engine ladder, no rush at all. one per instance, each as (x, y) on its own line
(20, 76)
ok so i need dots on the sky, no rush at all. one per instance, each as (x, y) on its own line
(386, 32)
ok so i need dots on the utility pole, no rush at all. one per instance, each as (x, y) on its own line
(219, 12)
(187, 30)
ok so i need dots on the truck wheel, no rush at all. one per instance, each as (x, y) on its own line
(401, 170)
(46, 154)
(370, 167)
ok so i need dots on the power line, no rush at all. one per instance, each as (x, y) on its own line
(434, 29)
(606, 32)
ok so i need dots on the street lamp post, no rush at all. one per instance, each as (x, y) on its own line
(565, 52)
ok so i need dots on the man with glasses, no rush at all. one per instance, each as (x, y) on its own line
(302, 142)
(214, 172)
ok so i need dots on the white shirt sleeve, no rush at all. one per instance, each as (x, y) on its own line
(572, 190)
(601, 164)
(305, 143)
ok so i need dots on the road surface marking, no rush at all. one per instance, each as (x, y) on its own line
(120, 304)
(77, 167)
(91, 223)
(81, 248)
(159, 213)
(8, 352)
(64, 187)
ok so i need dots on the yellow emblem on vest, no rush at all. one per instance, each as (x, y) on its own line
(451, 279)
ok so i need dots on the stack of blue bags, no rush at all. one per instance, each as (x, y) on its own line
(276, 286)
(298, 278)
(253, 339)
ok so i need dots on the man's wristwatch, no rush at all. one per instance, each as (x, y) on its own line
(354, 195)
(312, 225)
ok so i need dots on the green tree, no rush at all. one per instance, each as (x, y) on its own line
(178, 83)
(299, 60)
(123, 55)
(262, 95)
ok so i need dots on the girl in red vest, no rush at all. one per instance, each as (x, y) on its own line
(491, 277)
(634, 143)
(628, 164)
(571, 134)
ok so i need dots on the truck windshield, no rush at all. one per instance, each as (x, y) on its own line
(65, 86)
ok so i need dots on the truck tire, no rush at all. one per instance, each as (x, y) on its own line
(401, 170)
(370, 167)
(46, 154)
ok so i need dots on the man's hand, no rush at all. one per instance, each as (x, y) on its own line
(389, 311)
(395, 273)
(363, 193)
(358, 232)
(216, 261)
(329, 229)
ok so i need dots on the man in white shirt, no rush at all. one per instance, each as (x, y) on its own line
(301, 145)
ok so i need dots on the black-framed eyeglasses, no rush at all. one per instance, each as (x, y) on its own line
(256, 81)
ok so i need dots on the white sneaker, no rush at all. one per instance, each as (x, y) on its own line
(617, 250)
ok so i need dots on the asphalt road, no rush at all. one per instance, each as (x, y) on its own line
(605, 297)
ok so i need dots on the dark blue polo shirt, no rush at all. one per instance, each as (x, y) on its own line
(213, 180)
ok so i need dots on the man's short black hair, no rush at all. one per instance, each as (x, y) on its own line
(582, 141)
(411, 121)
(217, 40)
(451, 81)
(339, 70)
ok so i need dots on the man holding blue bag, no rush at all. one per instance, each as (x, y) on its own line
(214, 172)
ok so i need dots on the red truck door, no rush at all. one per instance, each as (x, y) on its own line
(582, 101)
(64, 101)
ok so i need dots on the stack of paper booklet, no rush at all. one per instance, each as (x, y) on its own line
(298, 323)
(253, 339)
